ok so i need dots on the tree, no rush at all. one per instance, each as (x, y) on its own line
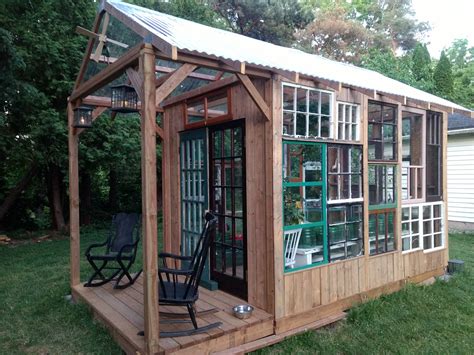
(48, 56)
(392, 22)
(334, 35)
(270, 21)
(443, 77)
(421, 62)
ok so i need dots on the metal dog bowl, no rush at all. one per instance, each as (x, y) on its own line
(243, 311)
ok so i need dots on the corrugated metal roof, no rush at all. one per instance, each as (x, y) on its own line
(188, 35)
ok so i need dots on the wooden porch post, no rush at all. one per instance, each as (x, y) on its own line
(73, 199)
(149, 201)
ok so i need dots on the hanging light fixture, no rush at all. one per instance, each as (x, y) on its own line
(82, 117)
(124, 99)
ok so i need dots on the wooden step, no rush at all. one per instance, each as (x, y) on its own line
(274, 339)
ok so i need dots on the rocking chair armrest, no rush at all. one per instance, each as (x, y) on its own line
(93, 246)
(131, 245)
(182, 272)
(174, 256)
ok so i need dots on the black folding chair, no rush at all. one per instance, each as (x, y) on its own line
(120, 251)
(179, 284)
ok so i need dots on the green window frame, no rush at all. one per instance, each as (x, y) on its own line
(290, 222)
(383, 188)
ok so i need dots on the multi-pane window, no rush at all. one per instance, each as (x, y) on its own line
(306, 112)
(304, 199)
(412, 157)
(381, 231)
(433, 226)
(344, 173)
(382, 131)
(345, 236)
(214, 107)
(433, 155)
(382, 186)
(411, 229)
(348, 122)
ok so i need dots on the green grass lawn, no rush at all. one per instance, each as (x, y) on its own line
(35, 318)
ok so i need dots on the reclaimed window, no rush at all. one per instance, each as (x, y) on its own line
(212, 108)
(304, 199)
(307, 112)
(345, 231)
(344, 173)
(382, 231)
(382, 186)
(411, 229)
(433, 231)
(348, 122)
(382, 131)
(412, 157)
(434, 137)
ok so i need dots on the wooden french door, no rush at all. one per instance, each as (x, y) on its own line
(227, 200)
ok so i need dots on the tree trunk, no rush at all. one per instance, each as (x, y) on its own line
(15, 192)
(113, 190)
(54, 184)
(85, 198)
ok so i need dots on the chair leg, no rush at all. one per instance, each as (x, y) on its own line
(192, 315)
(98, 272)
(125, 272)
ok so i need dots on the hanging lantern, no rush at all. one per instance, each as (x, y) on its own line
(124, 99)
(82, 117)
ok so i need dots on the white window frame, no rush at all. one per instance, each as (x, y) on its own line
(350, 173)
(442, 231)
(352, 125)
(307, 113)
(410, 235)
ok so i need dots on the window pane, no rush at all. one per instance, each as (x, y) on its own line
(375, 112)
(288, 98)
(301, 124)
(301, 100)
(313, 125)
(195, 111)
(288, 123)
(217, 105)
(381, 184)
(313, 101)
(325, 103)
(325, 126)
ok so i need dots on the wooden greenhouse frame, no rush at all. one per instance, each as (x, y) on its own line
(251, 102)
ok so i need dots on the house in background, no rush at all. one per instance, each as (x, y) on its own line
(460, 172)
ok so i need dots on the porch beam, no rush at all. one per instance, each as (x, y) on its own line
(73, 141)
(173, 81)
(149, 202)
(255, 95)
(110, 73)
(201, 91)
(166, 70)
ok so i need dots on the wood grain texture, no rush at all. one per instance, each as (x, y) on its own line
(149, 202)
(255, 95)
(110, 73)
(75, 244)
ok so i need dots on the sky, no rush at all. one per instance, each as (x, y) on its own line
(449, 20)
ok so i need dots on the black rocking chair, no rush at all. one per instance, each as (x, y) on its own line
(120, 250)
(179, 285)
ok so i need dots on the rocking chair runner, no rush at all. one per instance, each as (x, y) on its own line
(120, 248)
(179, 285)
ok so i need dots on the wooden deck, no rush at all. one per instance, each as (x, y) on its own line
(122, 312)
